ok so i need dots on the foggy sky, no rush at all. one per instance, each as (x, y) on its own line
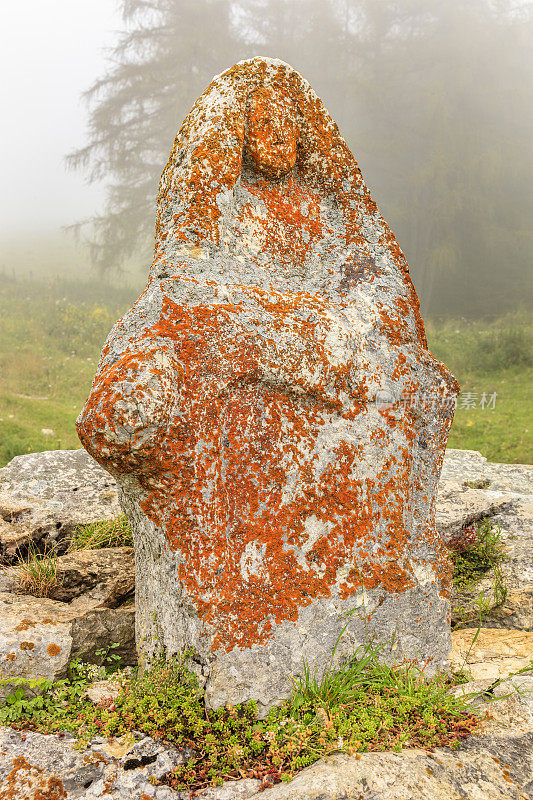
(50, 52)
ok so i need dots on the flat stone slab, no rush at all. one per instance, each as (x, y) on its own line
(469, 465)
(44, 496)
(494, 654)
(459, 505)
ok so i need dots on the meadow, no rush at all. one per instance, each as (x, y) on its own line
(52, 330)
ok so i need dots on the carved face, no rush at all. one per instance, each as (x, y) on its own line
(272, 133)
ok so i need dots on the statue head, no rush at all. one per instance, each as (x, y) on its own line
(319, 226)
(271, 133)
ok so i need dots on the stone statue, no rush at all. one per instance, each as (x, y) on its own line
(269, 406)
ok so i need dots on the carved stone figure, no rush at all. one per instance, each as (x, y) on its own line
(269, 406)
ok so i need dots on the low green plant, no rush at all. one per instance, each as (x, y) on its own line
(38, 574)
(26, 698)
(110, 660)
(484, 603)
(361, 705)
(107, 533)
(474, 551)
(500, 590)
(482, 483)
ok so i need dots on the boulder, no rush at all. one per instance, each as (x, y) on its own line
(35, 639)
(269, 406)
(44, 496)
(34, 766)
(461, 466)
(104, 577)
(39, 637)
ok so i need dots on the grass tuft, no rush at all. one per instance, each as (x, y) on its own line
(107, 533)
(474, 551)
(38, 574)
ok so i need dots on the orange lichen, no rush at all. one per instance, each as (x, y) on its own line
(53, 649)
(24, 624)
(28, 781)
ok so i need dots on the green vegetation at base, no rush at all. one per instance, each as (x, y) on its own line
(52, 331)
(362, 706)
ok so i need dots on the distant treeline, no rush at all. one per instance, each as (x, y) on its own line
(432, 96)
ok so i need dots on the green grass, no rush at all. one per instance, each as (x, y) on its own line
(363, 706)
(37, 573)
(52, 331)
(489, 358)
(108, 533)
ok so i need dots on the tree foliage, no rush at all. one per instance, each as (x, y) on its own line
(431, 95)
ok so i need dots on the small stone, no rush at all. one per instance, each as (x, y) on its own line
(100, 691)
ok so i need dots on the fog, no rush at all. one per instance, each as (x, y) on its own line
(432, 96)
(49, 54)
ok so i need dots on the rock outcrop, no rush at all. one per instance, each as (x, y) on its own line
(39, 636)
(494, 764)
(44, 496)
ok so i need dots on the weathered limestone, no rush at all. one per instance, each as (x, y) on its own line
(459, 505)
(44, 496)
(494, 654)
(39, 636)
(269, 407)
(36, 766)
(507, 499)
